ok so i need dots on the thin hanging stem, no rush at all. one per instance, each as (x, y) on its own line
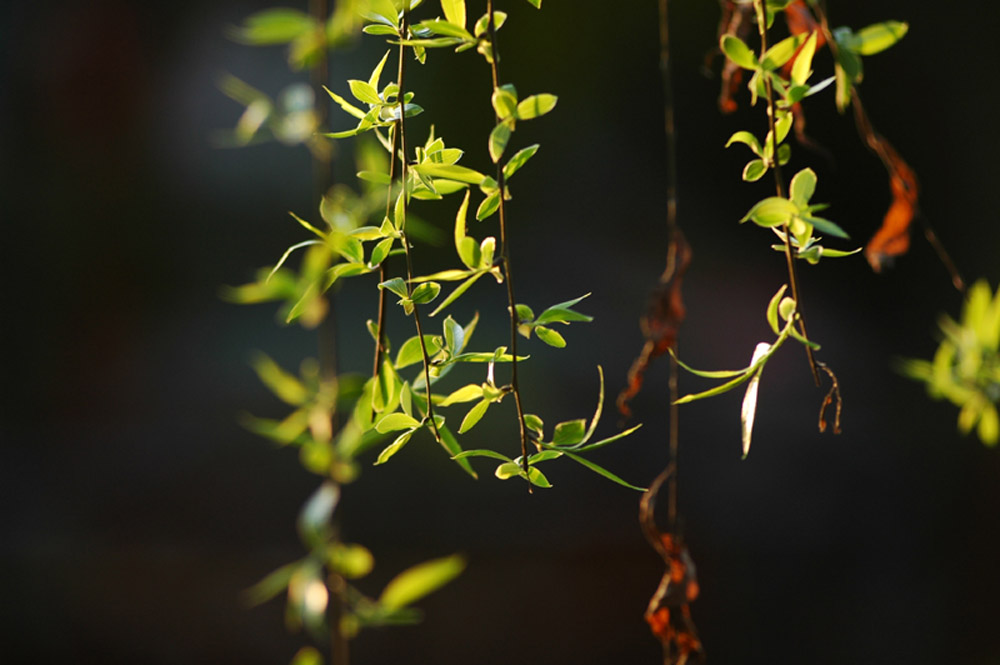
(877, 144)
(380, 326)
(505, 256)
(779, 183)
(403, 173)
(669, 130)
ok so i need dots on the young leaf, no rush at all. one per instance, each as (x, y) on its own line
(377, 72)
(459, 290)
(754, 170)
(450, 444)
(803, 186)
(878, 37)
(364, 92)
(396, 285)
(414, 583)
(550, 337)
(772, 308)
(286, 386)
(454, 11)
(482, 452)
(394, 422)
(380, 11)
(600, 470)
(536, 477)
(748, 140)
(474, 415)
(802, 67)
(504, 101)
(380, 252)
(535, 106)
(569, 433)
(535, 424)
(782, 52)
(394, 447)
(454, 336)
(498, 141)
(519, 159)
(425, 293)
(482, 25)
(463, 394)
(489, 205)
(508, 470)
(734, 49)
(562, 313)
(410, 352)
(749, 409)
(772, 211)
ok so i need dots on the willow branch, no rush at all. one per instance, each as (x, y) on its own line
(505, 256)
(779, 183)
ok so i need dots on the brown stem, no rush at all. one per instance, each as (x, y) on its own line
(779, 183)
(401, 133)
(505, 257)
(380, 327)
(669, 130)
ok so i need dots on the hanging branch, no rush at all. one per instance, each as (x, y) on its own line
(892, 239)
(505, 251)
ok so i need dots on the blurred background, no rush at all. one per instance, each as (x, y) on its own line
(135, 510)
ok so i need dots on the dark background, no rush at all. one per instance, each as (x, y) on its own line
(134, 510)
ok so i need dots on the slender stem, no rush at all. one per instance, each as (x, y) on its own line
(878, 144)
(779, 182)
(670, 134)
(401, 134)
(505, 256)
(380, 328)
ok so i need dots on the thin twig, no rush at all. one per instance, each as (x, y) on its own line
(505, 257)
(877, 144)
(401, 131)
(779, 182)
(669, 130)
(380, 326)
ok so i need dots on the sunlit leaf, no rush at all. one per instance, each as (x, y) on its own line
(414, 583)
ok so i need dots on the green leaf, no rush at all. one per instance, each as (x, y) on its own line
(772, 211)
(377, 73)
(826, 226)
(464, 394)
(446, 28)
(600, 470)
(803, 186)
(454, 11)
(536, 477)
(474, 415)
(278, 25)
(561, 312)
(504, 101)
(376, 177)
(519, 159)
(524, 313)
(459, 290)
(379, 29)
(550, 337)
(380, 252)
(307, 656)
(610, 439)
(782, 52)
(414, 583)
(535, 106)
(395, 446)
(380, 11)
(482, 452)
(749, 408)
(352, 561)
(508, 470)
(878, 37)
(450, 172)
(537, 4)
(498, 141)
(747, 139)
(569, 433)
(399, 212)
(754, 170)
(489, 205)
(535, 424)
(772, 309)
(364, 92)
(394, 422)
(274, 583)
(454, 336)
(467, 248)
(482, 25)
(450, 444)
(410, 352)
(802, 67)
(396, 285)
(284, 385)
(734, 49)
(425, 293)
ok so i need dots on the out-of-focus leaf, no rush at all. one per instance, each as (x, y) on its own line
(414, 583)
